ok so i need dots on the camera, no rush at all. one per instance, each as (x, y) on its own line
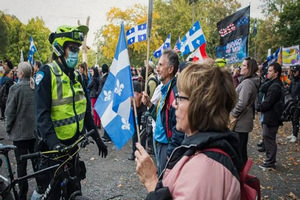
(146, 122)
(295, 68)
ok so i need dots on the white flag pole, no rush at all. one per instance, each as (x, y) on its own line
(149, 25)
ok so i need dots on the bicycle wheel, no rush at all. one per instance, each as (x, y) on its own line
(5, 195)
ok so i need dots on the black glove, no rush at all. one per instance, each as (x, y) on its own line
(102, 147)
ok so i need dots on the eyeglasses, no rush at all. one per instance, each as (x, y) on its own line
(73, 48)
(179, 99)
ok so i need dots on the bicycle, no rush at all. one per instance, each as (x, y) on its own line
(61, 177)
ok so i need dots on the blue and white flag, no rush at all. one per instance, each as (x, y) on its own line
(137, 34)
(270, 59)
(32, 50)
(165, 45)
(177, 45)
(193, 39)
(113, 104)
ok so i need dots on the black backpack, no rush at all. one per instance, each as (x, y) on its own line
(155, 79)
(3, 93)
(289, 105)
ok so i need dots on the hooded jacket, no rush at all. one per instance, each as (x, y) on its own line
(192, 173)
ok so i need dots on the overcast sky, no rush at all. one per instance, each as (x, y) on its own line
(60, 12)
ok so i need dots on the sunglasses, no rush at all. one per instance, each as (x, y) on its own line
(73, 48)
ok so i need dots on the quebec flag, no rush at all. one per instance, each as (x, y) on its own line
(113, 104)
(192, 40)
(177, 45)
(165, 45)
(32, 50)
(137, 34)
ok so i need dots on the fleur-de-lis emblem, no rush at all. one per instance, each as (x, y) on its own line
(119, 88)
(107, 95)
(126, 125)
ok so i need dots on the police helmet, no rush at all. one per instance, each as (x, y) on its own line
(220, 62)
(65, 34)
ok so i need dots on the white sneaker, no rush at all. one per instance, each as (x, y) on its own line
(293, 139)
(290, 136)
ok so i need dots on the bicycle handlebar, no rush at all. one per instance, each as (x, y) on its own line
(29, 156)
(63, 150)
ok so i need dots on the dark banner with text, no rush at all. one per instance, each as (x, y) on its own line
(234, 26)
(234, 51)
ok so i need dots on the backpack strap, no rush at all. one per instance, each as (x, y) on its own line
(225, 159)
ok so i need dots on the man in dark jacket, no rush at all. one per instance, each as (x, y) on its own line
(295, 92)
(166, 137)
(271, 108)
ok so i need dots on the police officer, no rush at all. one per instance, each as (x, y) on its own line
(295, 92)
(63, 109)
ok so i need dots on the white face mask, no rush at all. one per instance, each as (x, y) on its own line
(72, 59)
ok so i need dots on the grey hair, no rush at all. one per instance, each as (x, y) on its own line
(26, 70)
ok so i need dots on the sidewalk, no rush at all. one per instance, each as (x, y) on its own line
(115, 178)
(284, 182)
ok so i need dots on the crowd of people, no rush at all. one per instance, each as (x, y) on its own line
(189, 106)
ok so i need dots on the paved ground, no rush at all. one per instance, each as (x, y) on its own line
(114, 177)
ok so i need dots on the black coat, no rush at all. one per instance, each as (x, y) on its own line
(295, 88)
(94, 87)
(271, 106)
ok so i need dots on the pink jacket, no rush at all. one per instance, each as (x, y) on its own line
(200, 177)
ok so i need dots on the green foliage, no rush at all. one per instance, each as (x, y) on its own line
(288, 26)
(107, 36)
(91, 55)
(18, 37)
(176, 17)
(3, 35)
(40, 34)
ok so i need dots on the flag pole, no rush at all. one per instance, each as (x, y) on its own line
(248, 36)
(136, 122)
(149, 25)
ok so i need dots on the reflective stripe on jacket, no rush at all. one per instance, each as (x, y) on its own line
(68, 104)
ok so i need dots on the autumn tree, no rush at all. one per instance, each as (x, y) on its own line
(175, 17)
(107, 37)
